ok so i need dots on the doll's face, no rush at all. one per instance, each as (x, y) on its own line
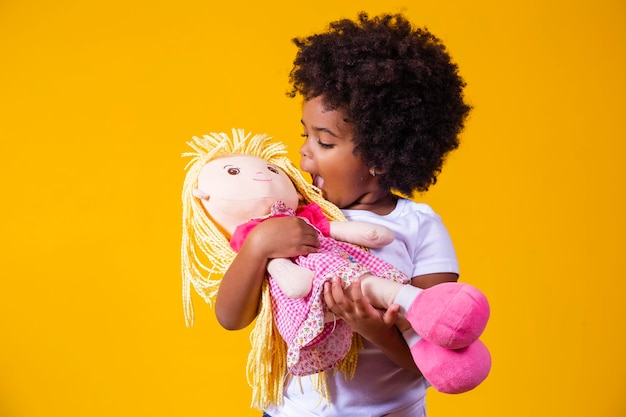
(236, 188)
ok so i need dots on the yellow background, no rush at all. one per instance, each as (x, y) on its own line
(97, 100)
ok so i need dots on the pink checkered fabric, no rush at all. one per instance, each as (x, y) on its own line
(313, 345)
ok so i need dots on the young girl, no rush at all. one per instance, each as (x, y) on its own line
(383, 106)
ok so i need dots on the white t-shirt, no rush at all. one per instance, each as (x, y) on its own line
(379, 387)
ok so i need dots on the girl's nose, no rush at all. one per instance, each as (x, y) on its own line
(303, 150)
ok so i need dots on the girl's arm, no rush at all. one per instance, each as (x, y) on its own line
(429, 280)
(375, 325)
(237, 300)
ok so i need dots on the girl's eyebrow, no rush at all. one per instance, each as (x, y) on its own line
(227, 165)
(322, 129)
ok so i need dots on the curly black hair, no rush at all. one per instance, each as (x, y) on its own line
(399, 87)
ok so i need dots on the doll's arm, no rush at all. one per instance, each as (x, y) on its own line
(361, 233)
(295, 281)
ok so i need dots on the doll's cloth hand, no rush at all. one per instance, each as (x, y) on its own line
(294, 281)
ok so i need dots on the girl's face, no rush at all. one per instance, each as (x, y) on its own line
(327, 154)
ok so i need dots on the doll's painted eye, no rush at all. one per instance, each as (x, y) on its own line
(233, 171)
(272, 169)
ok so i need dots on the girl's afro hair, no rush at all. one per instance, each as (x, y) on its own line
(396, 84)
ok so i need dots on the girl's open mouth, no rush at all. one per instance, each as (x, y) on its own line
(317, 181)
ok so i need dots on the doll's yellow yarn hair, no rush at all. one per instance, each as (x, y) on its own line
(206, 255)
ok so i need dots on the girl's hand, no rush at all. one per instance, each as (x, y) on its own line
(237, 301)
(375, 325)
(283, 237)
(355, 309)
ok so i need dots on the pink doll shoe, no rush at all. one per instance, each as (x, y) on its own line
(451, 314)
(450, 317)
(452, 371)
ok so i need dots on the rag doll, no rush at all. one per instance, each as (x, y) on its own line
(235, 183)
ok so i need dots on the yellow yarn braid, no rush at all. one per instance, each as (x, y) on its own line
(206, 255)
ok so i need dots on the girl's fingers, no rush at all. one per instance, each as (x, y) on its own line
(328, 296)
(390, 316)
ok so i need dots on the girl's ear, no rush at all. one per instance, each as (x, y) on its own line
(200, 194)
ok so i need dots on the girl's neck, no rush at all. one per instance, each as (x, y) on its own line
(381, 204)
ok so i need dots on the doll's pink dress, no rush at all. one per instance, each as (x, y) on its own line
(313, 345)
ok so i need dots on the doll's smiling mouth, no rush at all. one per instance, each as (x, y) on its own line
(262, 179)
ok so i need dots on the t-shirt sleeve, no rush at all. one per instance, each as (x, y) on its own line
(434, 252)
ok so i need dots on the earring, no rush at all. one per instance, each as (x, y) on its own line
(373, 172)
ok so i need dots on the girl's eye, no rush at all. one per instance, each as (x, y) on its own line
(324, 145)
(272, 169)
(233, 171)
(319, 142)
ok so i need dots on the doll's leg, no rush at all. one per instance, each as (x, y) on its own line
(381, 292)
(451, 315)
(446, 321)
(452, 371)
